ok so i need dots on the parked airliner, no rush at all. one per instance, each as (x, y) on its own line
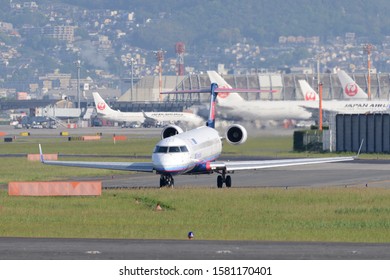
(237, 107)
(145, 118)
(195, 152)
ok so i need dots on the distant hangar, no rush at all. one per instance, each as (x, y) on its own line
(286, 86)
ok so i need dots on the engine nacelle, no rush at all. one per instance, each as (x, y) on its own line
(236, 134)
(170, 131)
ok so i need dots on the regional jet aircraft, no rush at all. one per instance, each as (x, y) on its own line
(145, 118)
(196, 152)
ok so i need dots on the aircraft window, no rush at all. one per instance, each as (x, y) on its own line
(174, 149)
(161, 149)
(183, 149)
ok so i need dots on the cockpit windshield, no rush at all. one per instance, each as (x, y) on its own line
(161, 149)
(172, 149)
(183, 149)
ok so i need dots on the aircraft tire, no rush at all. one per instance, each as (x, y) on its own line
(166, 181)
(219, 181)
(228, 181)
(171, 182)
(162, 183)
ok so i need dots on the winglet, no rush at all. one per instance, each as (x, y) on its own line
(360, 148)
(41, 154)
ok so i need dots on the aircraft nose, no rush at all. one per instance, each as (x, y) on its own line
(170, 162)
(162, 162)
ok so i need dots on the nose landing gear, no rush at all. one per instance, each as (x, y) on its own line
(166, 180)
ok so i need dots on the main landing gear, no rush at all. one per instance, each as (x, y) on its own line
(166, 180)
(223, 179)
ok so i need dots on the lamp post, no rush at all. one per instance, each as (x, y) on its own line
(368, 48)
(132, 77)
(78, 65)
(319, 87)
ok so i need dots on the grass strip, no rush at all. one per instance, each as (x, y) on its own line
(296, 214)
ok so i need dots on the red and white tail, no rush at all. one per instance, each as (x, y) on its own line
(351, 89)
(224, 98)
(101, 105)
(309, 94)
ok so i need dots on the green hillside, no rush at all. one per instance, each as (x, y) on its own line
(225, 22)
(263, 21)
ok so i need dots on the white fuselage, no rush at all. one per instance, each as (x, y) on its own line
(162, 117)
(270, 110)
(301, 110)
(187, 152)
(351, 106)
(117, 116)
(105, 112)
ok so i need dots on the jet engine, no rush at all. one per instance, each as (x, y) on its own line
(236, 134)
(170, 131)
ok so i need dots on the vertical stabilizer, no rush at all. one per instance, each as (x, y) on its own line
(213, 98)
(309, 94)
(227, 99)
(101, 105)
(351, 89)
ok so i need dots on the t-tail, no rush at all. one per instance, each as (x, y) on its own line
(350, 88)
(214, 91)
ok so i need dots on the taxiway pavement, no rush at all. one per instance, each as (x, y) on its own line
(359, 173)
(121, 249)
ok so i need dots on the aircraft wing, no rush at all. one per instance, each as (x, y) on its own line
(147, 117)
(125, 166)
(262, 164)
(314, 110)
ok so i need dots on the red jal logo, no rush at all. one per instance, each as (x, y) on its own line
(351, 89)
(310, 95)
(223, 94)
(101, 106)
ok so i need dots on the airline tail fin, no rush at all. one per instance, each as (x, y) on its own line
(101, 105)
(213, 98)
(309, 94)
(350, 88)
(214, 91)
(224, 98)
